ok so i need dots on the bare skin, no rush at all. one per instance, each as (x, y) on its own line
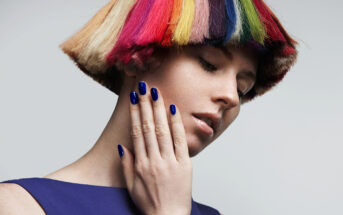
(182, 80)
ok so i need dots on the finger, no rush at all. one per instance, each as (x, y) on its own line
(147, 119)
(162, 130)
(127, 162)
(179, 134)
(136, 128)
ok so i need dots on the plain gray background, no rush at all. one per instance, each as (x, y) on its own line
(282, 155)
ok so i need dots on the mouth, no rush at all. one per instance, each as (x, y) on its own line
(207, 122)
(204, 124)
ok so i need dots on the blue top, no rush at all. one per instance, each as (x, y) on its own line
(61, 197)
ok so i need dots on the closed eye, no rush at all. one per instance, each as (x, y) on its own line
(210, 68)
(206, 65)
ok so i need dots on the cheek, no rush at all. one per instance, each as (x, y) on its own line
(176, 83)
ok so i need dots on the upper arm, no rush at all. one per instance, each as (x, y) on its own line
(15, 200)
(6, 199)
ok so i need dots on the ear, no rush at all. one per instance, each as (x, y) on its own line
(142, 61)
(134, 67)
(130, 71)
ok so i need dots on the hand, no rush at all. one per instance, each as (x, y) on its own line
(159, 175)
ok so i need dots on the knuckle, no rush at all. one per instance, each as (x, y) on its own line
(148, 126)
(157, 168)
(136, 131)
(140, 167)
(178, 139)
(161, 131)
(172, 166)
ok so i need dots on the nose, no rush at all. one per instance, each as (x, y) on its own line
(226, 95)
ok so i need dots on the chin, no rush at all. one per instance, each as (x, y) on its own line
(195, 145)
(193, 153)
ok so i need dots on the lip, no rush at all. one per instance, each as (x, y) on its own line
(203, 126)
(214, 118)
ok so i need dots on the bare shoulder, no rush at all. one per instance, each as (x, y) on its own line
(14, 199)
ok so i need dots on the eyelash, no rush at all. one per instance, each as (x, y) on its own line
(211, 68)
(206, 65)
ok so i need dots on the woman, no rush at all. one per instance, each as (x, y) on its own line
(181, 70)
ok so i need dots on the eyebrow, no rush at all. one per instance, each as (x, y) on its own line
(228, 54)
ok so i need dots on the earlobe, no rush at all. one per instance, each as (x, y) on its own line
(135, 67)
(130, 71)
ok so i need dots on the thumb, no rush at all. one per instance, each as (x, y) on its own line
(127, 162)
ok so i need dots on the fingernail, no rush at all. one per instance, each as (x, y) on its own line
(134, 97)
(154, 94)
(120, 150)
(172, 109)
(142, 87)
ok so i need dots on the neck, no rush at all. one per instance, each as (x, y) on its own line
(101, 164)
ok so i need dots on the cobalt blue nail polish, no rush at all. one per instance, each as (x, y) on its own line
(142, 87)
(172, 109)
(120, 150)
(154, 94)
(134, 97)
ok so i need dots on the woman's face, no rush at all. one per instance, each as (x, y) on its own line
(204, 82)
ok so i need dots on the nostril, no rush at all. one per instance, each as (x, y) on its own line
(223, 100)
(229, 101)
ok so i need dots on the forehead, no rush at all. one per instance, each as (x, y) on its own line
(245, 50)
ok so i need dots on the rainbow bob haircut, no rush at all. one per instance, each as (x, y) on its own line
(126, 30)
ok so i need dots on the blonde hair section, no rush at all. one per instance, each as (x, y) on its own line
(183, 29)
(75, 44)
(93, 55)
